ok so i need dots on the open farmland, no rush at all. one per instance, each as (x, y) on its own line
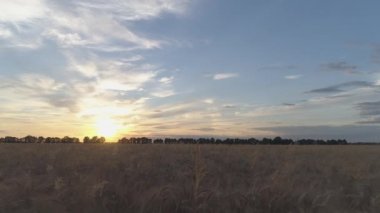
(188, 178)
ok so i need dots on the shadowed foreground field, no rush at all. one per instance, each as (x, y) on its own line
(188, 178)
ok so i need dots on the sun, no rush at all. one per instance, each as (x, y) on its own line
(106, 127)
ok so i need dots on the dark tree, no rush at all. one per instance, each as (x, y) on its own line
(86, 139)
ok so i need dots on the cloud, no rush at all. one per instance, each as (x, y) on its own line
(370, 111)
(374, 120)
(39, 82)
(5, 33)
(166, 80)
(13, 36)
(174, 110)
(209, 101)
(65, 100)
(100, 21)
(132, 10)
(99, 24)
(67, 39)
(42, 91)
(113, 74)
(88, 69)
(128, 82)
(206, 129)
(288, 104)
(342, 87)
(223, 76)
(292, 77)
(369, 108)
(164, 88)
(94, 30)
(21, 11)
(19, 23)
(104, 83)
(341, 66)
(229, 106)
(84, 59)
(163, 93)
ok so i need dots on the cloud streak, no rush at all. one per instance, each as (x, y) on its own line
(370, 111)
(342, 87)
(224, 76)
(21, 11)
(369, 108)
(292, 77)
(97, 24)
(341, 66)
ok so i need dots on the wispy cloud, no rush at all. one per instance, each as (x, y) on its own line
(206, 129)
(96, 24)
(163, 93)
(91, 78)
(20, 11)
(134, 9)
(292, 77)
(229, 106)
(369, 108)
(341, 66)
(223, 76)
(342, 87)
(5, 33)
(370, 111)
(374, 120)
(209, 101)
(166, 80)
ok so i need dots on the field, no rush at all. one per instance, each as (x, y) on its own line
(188, 178)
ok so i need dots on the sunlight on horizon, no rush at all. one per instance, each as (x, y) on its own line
(107, 127)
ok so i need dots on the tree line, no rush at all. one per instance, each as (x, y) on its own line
(145, 140)
(231, 141)
(66, 139)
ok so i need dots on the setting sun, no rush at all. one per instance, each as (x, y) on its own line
(106, 127)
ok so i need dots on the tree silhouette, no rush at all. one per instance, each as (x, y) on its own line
(144, 140)
(86, 139)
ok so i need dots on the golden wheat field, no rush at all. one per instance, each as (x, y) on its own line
(188, 178)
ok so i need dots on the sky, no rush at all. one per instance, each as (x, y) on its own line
(199, 68)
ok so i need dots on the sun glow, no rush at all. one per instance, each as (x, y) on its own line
(106, 127)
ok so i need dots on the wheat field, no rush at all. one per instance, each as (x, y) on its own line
(188, 178)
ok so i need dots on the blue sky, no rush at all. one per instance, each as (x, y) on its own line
(247, 68)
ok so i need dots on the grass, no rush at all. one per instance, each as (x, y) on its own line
(188, 178)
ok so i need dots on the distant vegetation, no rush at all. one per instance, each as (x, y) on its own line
(145, 140)
(66, 139)
(230, 141)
